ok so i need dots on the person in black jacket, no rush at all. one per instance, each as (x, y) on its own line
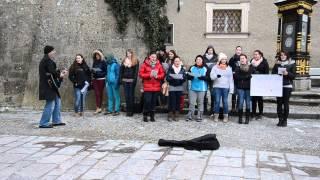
(242, 78)
(80, 76)
(210, 59)
(175, 77)
(49, 83)
(287, 68)
(128, 76)
(234, 62)
(261, 66)
(99, 70)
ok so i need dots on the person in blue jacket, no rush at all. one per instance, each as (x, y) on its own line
(199, 76)
(113, 85)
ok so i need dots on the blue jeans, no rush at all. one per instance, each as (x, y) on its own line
(243, 95)
(129, 95)
(221, 93)
(78, 103)
(113, 98)
(52, 108)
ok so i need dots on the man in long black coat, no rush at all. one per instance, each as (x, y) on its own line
(49, 82)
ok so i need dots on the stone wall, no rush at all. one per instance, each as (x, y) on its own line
(71, 26)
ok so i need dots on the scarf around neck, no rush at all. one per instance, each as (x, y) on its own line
(209, 56)
(153, 63)
(244, 67)
(256, 63)
(176, 69)
(222, 66)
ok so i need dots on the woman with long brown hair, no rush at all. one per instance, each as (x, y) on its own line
(128, 76)
(80, 76)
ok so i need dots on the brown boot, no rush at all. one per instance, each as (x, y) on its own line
(98, 110)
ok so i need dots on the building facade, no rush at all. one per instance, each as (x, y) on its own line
(225, 24)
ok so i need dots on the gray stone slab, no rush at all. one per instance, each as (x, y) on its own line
(4, 148)
(147, 155)
(151, 147)
(189, 169)
(215, 177)
(11, 158)
(225, 161)
(163, 170)
(225, 171)
(250, 161)
(54, 159)
(251, 173)
(98, 155)
(297, 177)
(303, 158)
(8, 139)
(123, 176)
(49, 178)
(273, 157)
(136, 166)
(21, 150)
(74, 173)
(110, 162)
(173, 158)
(228, 152)
(271, 175)
(70, 150)
(95, 174)
(36, 170)
(88, 161)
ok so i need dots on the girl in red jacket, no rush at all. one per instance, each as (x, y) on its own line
(151, 73)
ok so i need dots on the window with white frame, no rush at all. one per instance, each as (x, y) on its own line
(227, 20)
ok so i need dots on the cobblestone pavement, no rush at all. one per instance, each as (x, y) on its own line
(301, 136)
(42, 157)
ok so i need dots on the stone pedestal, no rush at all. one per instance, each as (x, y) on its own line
(302, 84)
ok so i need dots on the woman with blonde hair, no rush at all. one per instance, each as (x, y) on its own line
(128, 76)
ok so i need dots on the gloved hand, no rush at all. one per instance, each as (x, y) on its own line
(202, 78)
(218, 76)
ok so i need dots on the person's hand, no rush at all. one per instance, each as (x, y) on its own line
(285, 72)
(63, 73)
(218, 76)
(202, 78)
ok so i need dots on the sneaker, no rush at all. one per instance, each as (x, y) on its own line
(49, 126)
(107, 113)
(216, 118)
(98, 110)
(59, 124)
(225, 118)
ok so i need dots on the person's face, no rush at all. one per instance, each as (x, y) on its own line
(177, 62)
(161, 53)
(256, 56)
(153, 57)
(210, 51)
(238, 51)
(223, 61)
(171, 55)
(283, 56)
(199, 61)
(129, 54)
(79, 59)
(52, 54)
(243, 60)
(98, 57)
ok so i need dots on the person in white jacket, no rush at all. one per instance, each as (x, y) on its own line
(222, 77)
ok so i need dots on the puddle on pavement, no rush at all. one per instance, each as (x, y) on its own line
(56, 144)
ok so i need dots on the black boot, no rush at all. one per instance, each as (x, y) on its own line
(174, 116)
(247, 116)
(169, 116)
(152, 116)
(145, 117)
(240, 112)
(284, 122)
(280, 119)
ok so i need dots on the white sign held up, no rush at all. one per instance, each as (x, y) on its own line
(266, 85)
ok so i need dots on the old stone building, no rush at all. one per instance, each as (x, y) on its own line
(80, 26)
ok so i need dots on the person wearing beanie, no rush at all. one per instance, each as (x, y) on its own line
(288, 73)
(222, 77)
(198, 75)
(99, 69)
(113, 85)
(50, 79)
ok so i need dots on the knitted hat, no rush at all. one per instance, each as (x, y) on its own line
(48, 49)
